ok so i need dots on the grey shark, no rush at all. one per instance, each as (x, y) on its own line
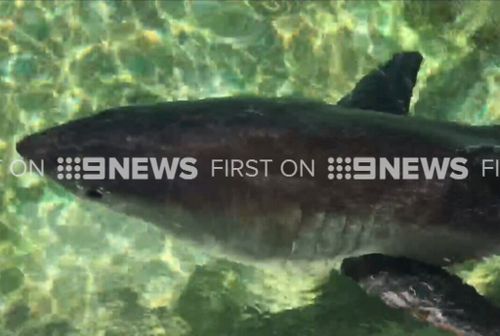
(435, 221)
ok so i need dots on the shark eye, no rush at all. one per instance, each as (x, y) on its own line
(94, 194)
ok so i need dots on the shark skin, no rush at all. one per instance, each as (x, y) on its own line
(434, 221)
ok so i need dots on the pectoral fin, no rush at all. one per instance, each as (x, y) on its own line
(427, 292)
(388, 88)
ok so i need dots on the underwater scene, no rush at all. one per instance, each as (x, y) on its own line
(92, 265)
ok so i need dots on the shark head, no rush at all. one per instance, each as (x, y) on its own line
(53, 145)
(115, 133)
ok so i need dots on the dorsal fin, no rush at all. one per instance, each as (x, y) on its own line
(388, 88)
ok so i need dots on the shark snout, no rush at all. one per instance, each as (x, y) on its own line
(36, 146)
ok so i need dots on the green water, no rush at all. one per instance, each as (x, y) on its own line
(72, 268)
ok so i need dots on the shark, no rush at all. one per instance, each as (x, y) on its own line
(327, 214)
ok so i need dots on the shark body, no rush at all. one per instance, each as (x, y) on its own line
(435, 221)
(393, 234)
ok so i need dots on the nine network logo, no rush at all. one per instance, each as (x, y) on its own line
(137, 168)
(404, 168)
